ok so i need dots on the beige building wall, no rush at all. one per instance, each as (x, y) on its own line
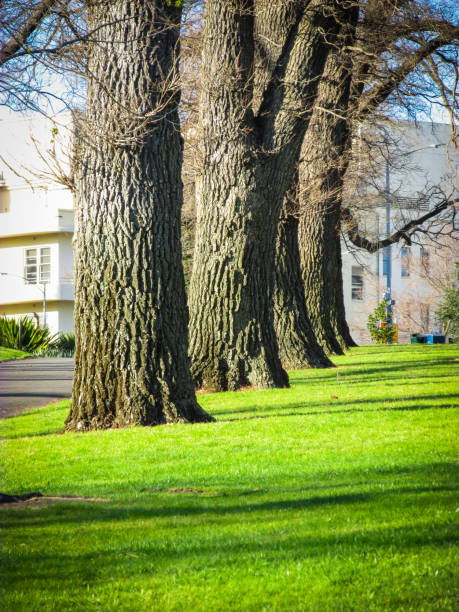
(417, 293)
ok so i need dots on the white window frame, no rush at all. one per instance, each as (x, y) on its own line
(40, 276)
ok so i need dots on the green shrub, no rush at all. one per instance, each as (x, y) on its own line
(62, 346)
(448, 312)
(380, 324)
(33, 338)
(65, 341)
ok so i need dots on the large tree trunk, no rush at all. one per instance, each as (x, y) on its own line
(248, 165)
(323, 278)
(316, 236)
(131, 363)
(298, 347)
(324, 160)
(339, 320)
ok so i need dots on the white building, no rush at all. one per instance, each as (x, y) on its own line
(419, 271)
(36, 223)
(36, 229)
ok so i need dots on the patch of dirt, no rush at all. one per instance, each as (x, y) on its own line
(188, 491)
(204, 391)
(37, 499)
(8, 499)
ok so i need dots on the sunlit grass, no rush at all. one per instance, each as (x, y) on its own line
(7, 353)
(339, 493)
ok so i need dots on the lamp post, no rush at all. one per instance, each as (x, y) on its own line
(387, 251)
(37, 286)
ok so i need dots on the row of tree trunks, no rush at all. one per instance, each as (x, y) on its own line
(132, 366)
(324, 160)
(298, 347)
(249, 161)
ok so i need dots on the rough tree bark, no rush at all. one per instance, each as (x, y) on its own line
(316, 236)
(321, 174)
(131, 363)
(298, 347)
(339, 320)
(249, 160)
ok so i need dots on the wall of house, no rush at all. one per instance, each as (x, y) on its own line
(36, 212)
(35, 311)
(65, 258)
(43, 209)
(66, 317)
(18, 297)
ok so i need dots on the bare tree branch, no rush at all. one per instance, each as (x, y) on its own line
(10, 48)
(404, 232)
(380, 91)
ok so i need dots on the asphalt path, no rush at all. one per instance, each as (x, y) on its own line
(33, 382)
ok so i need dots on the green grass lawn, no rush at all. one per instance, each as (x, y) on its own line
(339, 493)
(7, 353)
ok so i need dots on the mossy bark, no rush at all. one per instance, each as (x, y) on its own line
(131, 362)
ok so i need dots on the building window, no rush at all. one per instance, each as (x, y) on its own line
(357, 283)
(37, 265)
(405, 261)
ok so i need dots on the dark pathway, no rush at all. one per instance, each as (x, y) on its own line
(30, 383)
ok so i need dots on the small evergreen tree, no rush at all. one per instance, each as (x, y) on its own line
(448, 312)
(380, 324)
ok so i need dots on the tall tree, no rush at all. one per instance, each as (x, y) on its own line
(321, 174)
(131, 363)
(298, 344)
(314, 255)
(249, 161)
(370, 65)
(298, 347)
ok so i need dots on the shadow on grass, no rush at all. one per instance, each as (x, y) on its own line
(58, 430)
(161, 504)
(129, 549)
(123, 563)
(382, 370)
(273, 411)
(51, 396)
(277, 412)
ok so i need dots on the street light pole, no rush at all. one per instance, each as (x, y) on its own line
(387, 251)
(387, 255)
